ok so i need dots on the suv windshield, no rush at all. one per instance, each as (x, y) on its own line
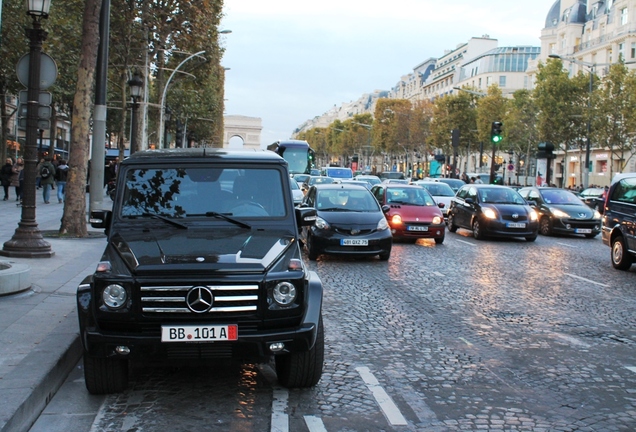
(196, 191)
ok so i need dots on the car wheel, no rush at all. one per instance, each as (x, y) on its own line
(451, 223)
(105, 375)
(302, 369)
(477, 234)
(439, 240)
(531, 238)
(312, 252)
(620, 256)
(544, 226)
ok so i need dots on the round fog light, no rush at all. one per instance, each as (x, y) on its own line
(284, 293)
(277, 346)
(124, 350)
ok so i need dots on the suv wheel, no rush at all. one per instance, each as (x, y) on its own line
(105, 375)
(620, 256)
(451, 223)
(302, 369)
(544, 226)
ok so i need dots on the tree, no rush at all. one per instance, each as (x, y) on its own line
(74, 217)
(520, 125)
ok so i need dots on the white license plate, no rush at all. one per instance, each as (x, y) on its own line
(354, 242)
(516, 225)
(417, 228)
(583, 230)
(199, 333)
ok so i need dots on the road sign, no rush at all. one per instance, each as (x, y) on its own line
(44, 112)
(511, 167)
(45, 97)
(42, 124)
(48, 71)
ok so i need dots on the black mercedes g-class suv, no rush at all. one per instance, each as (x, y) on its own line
(202, 263)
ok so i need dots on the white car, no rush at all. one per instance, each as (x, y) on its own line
(441, 192)
(297, 194)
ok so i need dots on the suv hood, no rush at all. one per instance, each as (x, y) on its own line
(191, 250)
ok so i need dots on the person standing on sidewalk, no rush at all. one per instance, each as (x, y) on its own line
(5, 177)
(61, 174)
(38, 179)
(47, 173)
(17, 168)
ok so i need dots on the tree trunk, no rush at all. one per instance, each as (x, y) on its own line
(74, 217)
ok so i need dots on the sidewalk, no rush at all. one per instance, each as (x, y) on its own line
(39, 341)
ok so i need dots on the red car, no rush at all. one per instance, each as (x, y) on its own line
(412, 212)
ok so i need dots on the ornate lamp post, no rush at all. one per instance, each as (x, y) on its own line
(27, 241)
(136, 87)
(167, 116)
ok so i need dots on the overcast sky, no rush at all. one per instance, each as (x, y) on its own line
(292, 60)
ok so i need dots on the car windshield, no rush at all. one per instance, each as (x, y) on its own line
(355, 200)
(409, 196)
(320, 180)
(439, 189)
(560, 196)
(203, 192)
(500, 195)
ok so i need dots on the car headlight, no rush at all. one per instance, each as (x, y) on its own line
(396, 219)
(284, 293)
(114, 296)
(383, 224)
(597, 215)
(321, 223)
(559, 213)
(489, 213)
(533, 215)
(437, 220)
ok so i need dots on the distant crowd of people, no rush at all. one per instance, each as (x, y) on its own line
(50, 171)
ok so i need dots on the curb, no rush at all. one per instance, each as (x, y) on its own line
(31, 385)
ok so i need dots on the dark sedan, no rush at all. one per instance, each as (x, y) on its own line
(349, 221)
(562, 212)
(491, 210)
(594, 197)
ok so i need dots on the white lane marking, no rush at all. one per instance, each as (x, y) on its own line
(464, 241)
(572, 340)
(631, 368)
(280, 420)
(436, 273)
(388, 407)
(314, 424)
(565, 244)
(465, 341)
(586, 280)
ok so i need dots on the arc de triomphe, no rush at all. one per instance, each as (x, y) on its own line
(248, 129)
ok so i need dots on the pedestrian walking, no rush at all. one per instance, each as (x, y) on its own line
(16, 170)
(5, 177)
(61, 174)
(478, 180)
(38, 179)
(47, 173)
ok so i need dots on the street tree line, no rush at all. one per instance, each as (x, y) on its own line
(556, 110)
(149, 38)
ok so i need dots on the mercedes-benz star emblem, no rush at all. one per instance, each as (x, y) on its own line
(199, 299)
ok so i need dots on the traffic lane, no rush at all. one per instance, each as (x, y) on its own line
(489, 321)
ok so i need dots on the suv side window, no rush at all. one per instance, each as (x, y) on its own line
(625, 191)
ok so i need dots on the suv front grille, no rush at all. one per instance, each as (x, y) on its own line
(172, 298)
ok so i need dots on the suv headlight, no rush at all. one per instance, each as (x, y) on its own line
(284, 293)
(114, 296)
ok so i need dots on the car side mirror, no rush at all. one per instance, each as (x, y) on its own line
(101, 219)
(385, 208)
(305, 216)
(441, 205)
(469, 201)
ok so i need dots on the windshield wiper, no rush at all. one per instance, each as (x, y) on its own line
(229, 219)
(166, 219)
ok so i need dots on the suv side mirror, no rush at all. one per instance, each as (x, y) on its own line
(101, 219)
(305, 216)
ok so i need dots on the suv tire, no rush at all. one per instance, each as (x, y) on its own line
(620, 256)
(302, 369)
(105, 375)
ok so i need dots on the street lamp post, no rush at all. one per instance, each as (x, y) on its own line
(136, 87)
(167, 116)
(27, 241)
(591, 67)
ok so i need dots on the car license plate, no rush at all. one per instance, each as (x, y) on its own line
(417, 228)
(516, 225)
(354, 242)
(583, 230)
(199, 333)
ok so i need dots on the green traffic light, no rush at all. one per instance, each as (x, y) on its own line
(496, 138)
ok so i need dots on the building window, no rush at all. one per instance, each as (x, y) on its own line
(633, 49)
(488, 81)
(479, 82)
(624, 16)
(502, 81)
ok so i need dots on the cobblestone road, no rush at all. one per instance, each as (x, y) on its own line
(468, 335)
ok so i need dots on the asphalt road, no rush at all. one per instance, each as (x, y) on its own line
(467, 335)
